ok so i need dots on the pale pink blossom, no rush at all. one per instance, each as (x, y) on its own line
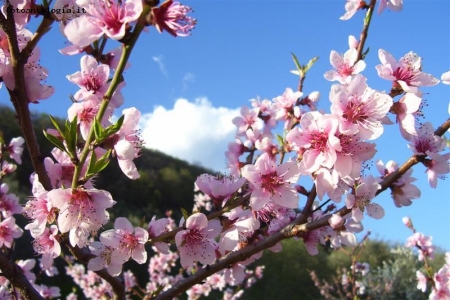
(272, 182)
(104, 259)
(127, 242)
(406, 110)
(344, 66)
(351, 7)
(240, 222)
(437, 166)
(158, 227)
(361, 201)
(15, 149)
(247, 119)
(394, 5)
(336, 221)
(48, 245)
(426, 142)
(219, 188)
(316, 140)
(285, 106)
(360, 109)
(27, 266)
(9, 205)
(445, 78)
(171, 16)
(406, 74)
(196, 243)
(127, 143)
(9, 231)
(102, 17)
(402, 191)
(48, 292)
(81, 208)
(422, 243)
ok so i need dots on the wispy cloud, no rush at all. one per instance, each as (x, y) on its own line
(187, 79)
(159, 61)
(193, 131)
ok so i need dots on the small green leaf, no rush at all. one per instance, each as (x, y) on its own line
(297, 64)
(98, 130)
(55, 123)
(72, 136)
(102, 163)
(185, 214)
(280, 140)
(55, 141)
(92, 163)
(311, 62)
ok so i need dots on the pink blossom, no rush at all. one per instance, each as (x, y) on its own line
(219, 189)
(27, 266)
(240, 222)
(248, 119)
(344, 66)
(38, 209)
(104, 259)
(406, 110)
(336, 221)
(195, 242)
(9, 205)
(127, 143)
(86, 111)
(360, 108)
(127, 242)
(171, 16)
(272, 182)
(361, 201)
(316, 141)
(422, 243)
(426, 142)
(351, 7)
(394, 5)
(445, 78)
(402, 191)
(9, 231)
(81, 208)
(15, 149)
(102, 17)
(47, 244)
(48, 292)
(92, 78)
(158, 227)
(286, 107)
(406, 74)
(436, 166)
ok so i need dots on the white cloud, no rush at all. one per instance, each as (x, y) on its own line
(194, 131)
(159, 61)
(187, 79)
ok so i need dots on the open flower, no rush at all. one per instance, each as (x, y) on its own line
(272, 182)
(196, 243)
(172, 17)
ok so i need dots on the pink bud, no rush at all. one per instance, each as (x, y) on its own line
(335, 221)
(407, 222)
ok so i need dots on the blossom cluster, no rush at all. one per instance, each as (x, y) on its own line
(260, 196)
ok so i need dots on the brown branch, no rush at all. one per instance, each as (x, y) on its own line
(365, 31)
(15, 275)
(20, 100)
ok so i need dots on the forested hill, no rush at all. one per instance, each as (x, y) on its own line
(166, 183)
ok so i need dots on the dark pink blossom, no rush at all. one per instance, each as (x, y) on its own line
(171, 16)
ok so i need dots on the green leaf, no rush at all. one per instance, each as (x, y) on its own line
(91, 167)
(98, 131)
(103, 162)
(55, 141)
(110, 130)
(311, 62)
(280, 140)
(55, 123)
(185, 214)
(297, 64)
(72, 137)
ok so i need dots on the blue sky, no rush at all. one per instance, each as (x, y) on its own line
(189, 89)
